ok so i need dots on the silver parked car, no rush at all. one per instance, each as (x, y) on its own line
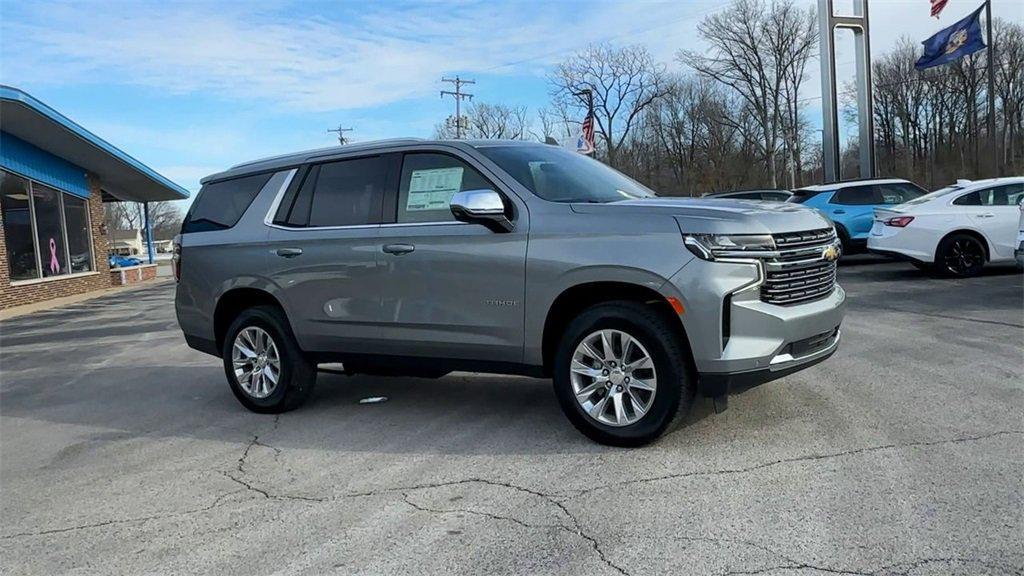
(418, 258)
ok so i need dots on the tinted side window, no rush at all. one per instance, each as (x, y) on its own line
(855, 196)
(294, 208)
(972, 199)
(1014, 194)
(221, 204)
(428, 183)
(898, 193)
(348, 192)
(801, 196)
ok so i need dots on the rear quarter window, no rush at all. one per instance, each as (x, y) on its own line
(220, 205)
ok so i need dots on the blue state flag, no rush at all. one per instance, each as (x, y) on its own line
(957, 41)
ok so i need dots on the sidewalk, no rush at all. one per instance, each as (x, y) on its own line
(68, 300)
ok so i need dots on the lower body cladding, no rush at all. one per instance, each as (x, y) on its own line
(738, 340)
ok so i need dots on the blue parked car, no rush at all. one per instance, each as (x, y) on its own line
(851, 204)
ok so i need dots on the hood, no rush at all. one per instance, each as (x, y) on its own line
(719, 215)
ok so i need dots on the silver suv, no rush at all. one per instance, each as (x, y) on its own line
(419, 258)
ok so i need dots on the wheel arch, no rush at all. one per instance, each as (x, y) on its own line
(967, 232)
(576, 298)
(231, 303)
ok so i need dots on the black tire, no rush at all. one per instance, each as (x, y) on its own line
(675, 386)
(960, 256)
(297, 375)
(844, 240)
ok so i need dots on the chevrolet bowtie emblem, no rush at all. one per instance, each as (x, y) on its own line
(831, 253)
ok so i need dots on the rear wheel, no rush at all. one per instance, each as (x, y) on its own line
(960, 255)
(263, 363)
(622, 375)
(844, 240)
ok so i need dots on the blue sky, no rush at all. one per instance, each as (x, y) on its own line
(193, 87)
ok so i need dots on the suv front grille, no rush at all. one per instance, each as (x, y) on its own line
(800, 273)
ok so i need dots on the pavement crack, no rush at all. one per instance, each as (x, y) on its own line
(793, 460)
(240, 471)
(576, 527)
(114, 521)
(906, 568)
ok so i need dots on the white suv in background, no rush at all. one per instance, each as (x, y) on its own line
(955, 230)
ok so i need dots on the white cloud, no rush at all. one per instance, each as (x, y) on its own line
(310, 62)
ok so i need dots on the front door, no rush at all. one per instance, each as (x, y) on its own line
(324, 254)
(995, 212)
(450, 289)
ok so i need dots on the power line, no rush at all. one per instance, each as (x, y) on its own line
(459, 96)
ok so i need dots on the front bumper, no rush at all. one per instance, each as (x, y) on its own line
(736, 338)
(784, 364)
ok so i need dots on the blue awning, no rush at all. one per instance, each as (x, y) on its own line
(23, 158)
(31, 127)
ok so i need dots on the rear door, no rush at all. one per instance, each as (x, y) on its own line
(853, 207)
(995, 212)
(450, 289)
(324, 253)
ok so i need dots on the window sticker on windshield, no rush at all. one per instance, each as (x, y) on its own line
(433, 189)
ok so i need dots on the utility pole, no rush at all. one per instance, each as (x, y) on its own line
(459, 96)
(341, 134)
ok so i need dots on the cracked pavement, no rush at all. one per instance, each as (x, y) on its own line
(123, 452)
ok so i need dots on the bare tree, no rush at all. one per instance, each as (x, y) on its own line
(165, 217)
(760, 49)
(491, 121)
(623, 81)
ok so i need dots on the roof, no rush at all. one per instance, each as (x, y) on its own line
(296, 158)
(849, 183)
(121, 175)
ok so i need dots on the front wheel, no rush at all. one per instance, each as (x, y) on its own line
(622, 374)
(263, 363)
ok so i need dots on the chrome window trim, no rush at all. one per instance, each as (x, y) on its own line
(268, 219)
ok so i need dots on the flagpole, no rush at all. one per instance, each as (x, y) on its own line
(993, 151)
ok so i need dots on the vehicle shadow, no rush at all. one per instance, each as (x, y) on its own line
(458, 414)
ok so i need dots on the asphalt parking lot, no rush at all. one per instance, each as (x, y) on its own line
(123, 452)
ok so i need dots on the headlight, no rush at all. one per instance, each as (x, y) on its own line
(716, 246)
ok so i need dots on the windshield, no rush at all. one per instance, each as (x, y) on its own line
(933, 195)
(559, 175)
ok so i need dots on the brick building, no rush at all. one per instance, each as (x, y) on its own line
(54, 178)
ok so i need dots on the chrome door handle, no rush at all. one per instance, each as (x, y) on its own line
(289, 252)
(986, 215)
(398, 249)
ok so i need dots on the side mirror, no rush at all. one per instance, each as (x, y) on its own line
(481, 207)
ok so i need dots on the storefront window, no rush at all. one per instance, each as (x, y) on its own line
(17, 225)
(46, 231)
(49, 231)
(76, 220)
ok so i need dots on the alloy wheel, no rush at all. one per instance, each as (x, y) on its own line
(256, 362)
(613, 377)
(964, 256)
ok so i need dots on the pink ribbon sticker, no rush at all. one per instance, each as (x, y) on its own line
(54, 263)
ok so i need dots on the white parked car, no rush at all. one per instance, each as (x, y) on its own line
(953, 231)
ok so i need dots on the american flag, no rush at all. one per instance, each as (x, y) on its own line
(937, 6)
(588, 133)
